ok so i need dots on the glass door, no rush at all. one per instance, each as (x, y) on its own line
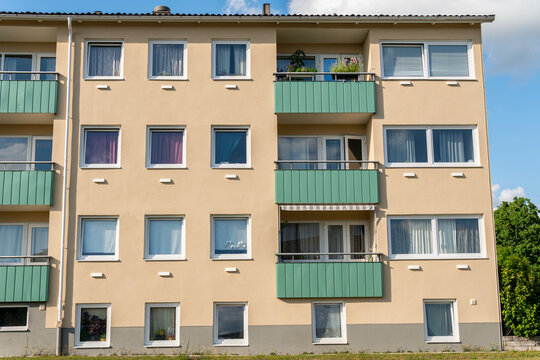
(42, 151)
(355, 151)
(336, 240)
(327, 61)
(333, 150)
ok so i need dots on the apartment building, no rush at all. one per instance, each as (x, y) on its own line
(193, 183)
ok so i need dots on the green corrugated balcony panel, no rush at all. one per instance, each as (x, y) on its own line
(24, 279)
(26, 187)
(313, 96)
(37, 95)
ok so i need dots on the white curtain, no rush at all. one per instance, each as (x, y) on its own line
(11, 242)
(448, 60)
(230, 236)
(458, 236)
(411, 236)
(403, 61)
(439, 319)
(162, 323)
(335, 241)
(99, 237)
(453, 145)
(104, 60)
(230, 59)
(328, 321)
(165, 237)
(297, 148)
(406, 145)
(17, 63)
(167, 59)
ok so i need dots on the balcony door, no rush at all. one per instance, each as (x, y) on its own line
(346, 238)
(355, 150)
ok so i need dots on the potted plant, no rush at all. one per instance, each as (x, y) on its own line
(103, 337)
(297, 65)
(346, 66)
(160, 334)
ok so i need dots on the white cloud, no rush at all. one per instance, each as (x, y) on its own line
(495, 188)
(505, 194)
(511, 42)
(242, 7)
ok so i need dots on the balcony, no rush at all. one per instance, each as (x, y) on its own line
(24, 279)
(33, 186)
(338, 278)
(293, 94)
(39, 95)
(327, 186)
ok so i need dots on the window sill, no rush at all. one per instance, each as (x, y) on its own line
(167, 167)
(104, 78)
(234, 344)
(429, 79)
(228, 167)
(162, 345)
(101, 167)
(172, 78)
(336, 342)
(431, 166)
(443, 341)
(231, 259)
(92, 346)
(229, 78)
(14, 330)
(98, 259)
(482, 257)
(166, 259)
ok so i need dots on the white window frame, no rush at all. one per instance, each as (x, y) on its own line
(92, 344)
(38, 61)
(34, 139)
(248, 59)
(231, 342)
(16, 328)
(435, 240)
(88, 44)
(26, 246)
(80, 240)
(425, 59)
(247, 255)
(455, 322)
(430, 150)
(83, 164)
(29, 145)
(182, 255)
(29, 246)
(247, 129)
(149, 130)
(151, 44)
(326, 341)
(161, 343)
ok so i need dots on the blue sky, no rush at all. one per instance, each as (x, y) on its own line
(512, 66)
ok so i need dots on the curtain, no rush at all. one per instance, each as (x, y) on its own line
(230, 59)
(230, 236)
(448, 60)
(327, 321)
(47, 64)
(405, 61)
(230, 321)
(165, 237)
(167, 147)
(335, 240)
(167, 59)
(333, 152)
(43, 152)
(411, 236)
(453, 145)
(104, 60)
(99, 237)
(101, 147)
(17, 63)
(13, 149)
(298, 148)
(231, 147)
(300, 238)
(356, 236)
(162, 323)
(11, 242)
(93, 324)
(439, 319)
(406, 146)
(459, 236)
(40, 242)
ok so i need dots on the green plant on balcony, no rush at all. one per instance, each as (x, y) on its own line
(297, 65)
(346, 66)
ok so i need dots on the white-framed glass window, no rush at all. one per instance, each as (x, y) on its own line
(46, 62)
(162, 325)
(166, 147)
(27, 62)
(433, 146)
(231, 237)
(25, 148)
(231, 147)
(167, 59)
(231, 59)
(458, 236)
(441, 321)
(93, 326)
(98, 238)
(328, 323)
(427, 60)
(23, 239)
(100, 147)
(230, 324)
(165, 238)
(13, 318)
(104, 60)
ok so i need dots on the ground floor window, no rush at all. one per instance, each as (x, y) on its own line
(230, 324)
(328, 323)
(14, 318)
(440, 321)
(162, 326)
(93, 325)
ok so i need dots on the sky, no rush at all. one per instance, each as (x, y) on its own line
(511, 53)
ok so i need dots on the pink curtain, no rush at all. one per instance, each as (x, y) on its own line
(166, 147)
(101, 147)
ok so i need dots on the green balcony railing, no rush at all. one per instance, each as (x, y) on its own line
(326, 186)
(323, 96)
(26, 187)
(24, 279)
(36, 96)
(330, 278)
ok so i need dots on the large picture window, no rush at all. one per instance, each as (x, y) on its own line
(93, 326)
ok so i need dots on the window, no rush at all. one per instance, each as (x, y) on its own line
(100, 147)
(440, 321)
(430, 237)
(162, 326)
(167, 60)
(164, 238)
(23, 239)
(435, 60)
(98, 239)
(25, 148)
(231, 147)
(47, 62)
(104, 59)
(93, 326)
(328, 323)
(431, 146)
(230, 59)
(231, 237)
(27, 62)
(230, 324)
(13, 318)
(166, 148)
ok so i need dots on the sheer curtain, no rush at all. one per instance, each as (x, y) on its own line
(99, 237)
(230, 147)
(101, 147)
(47, 63)
(40, 242)
(11, 242)
(230, 59)
(300, 238)
(357, 240)
(162, 323)
(406, 146)
(403, 61)
(328, 321)
(104, 60)
(448, 60)
(439, 319)
(165, 237)
(167, 147)
(453, 145)
(167, 59)
(17, 63)
(411, 236)
(335, 240)
(230, 236)
(297, 148)
(458, 236)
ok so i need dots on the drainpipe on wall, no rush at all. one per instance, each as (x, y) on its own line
(64, 196)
